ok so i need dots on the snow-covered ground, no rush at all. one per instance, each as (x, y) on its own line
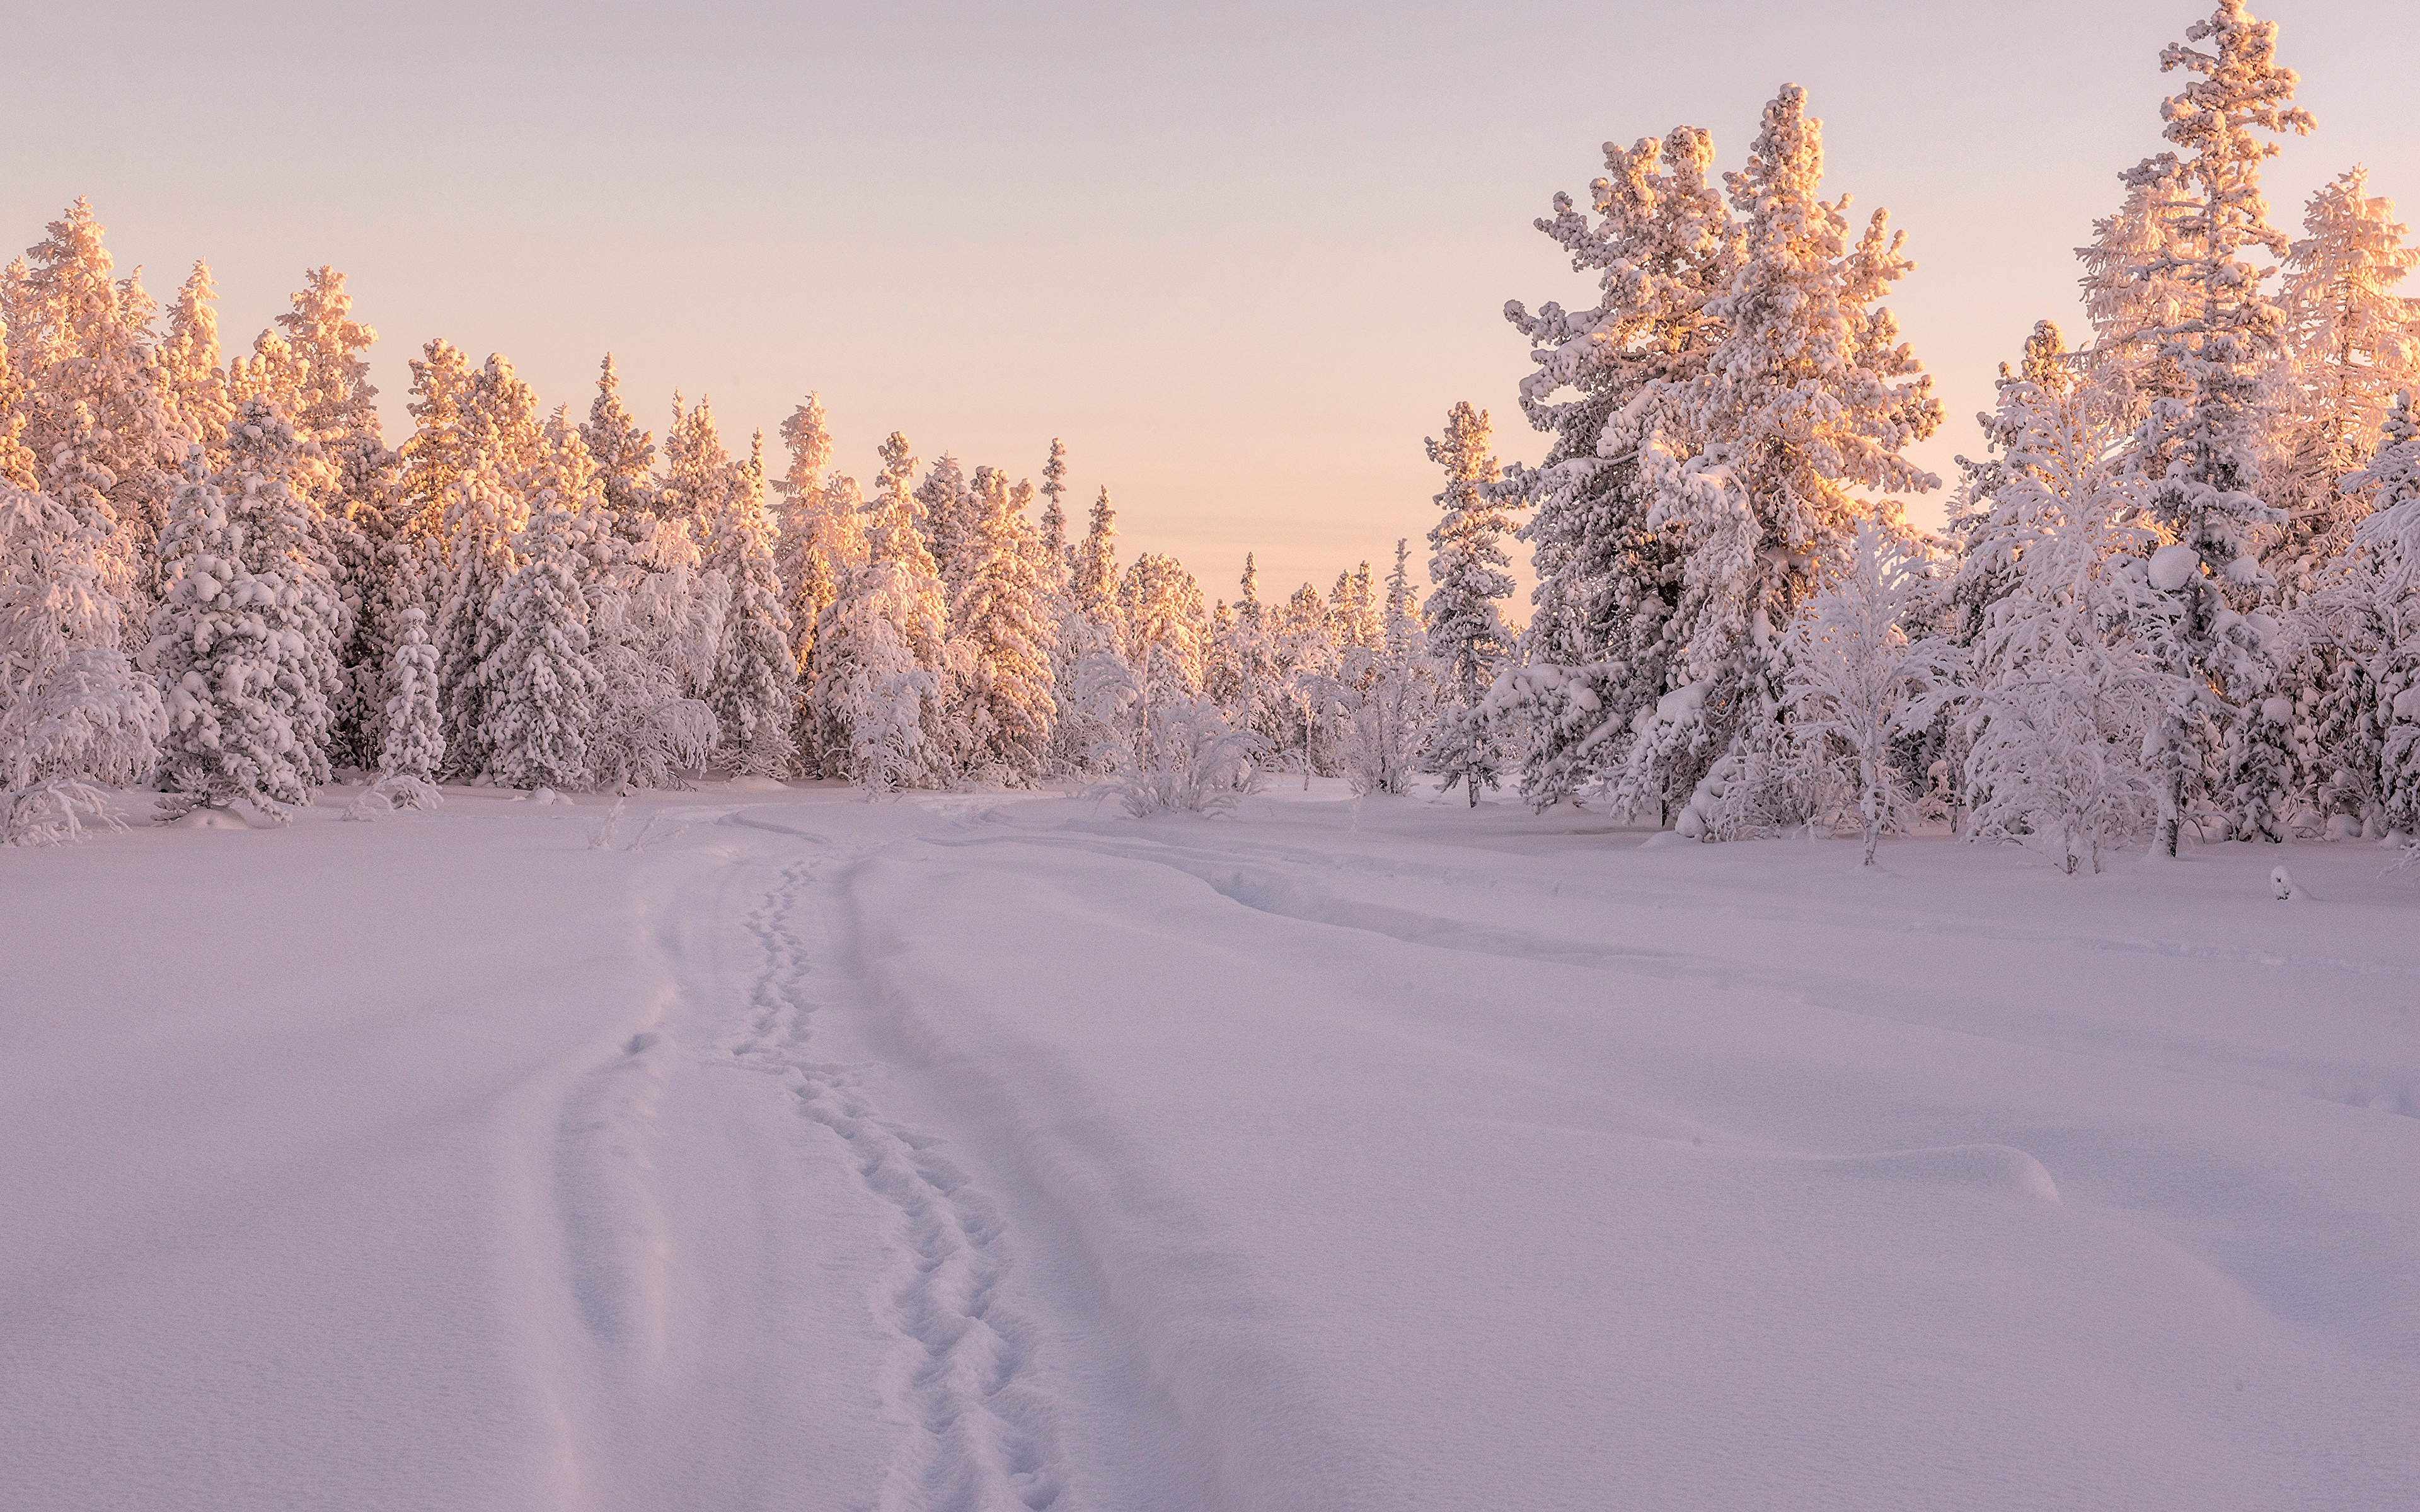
(992, 1152)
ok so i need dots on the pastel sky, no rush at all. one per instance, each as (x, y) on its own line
(1242, 258)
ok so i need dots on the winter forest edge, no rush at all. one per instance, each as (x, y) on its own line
(2177, 595)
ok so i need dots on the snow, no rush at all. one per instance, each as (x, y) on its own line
(994, 1150)
(2173, 566)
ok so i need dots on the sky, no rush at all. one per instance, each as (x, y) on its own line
(1242, 258)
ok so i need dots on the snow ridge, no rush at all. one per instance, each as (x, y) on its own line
(981, 1438)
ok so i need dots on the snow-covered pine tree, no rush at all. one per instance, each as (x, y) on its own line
(625, 454)
(415, 736)
(499, 443)
(73, 711)
(334, 402)
(882, 673)
(1394, 712)
(2131, 293)
(1089, 629)
(193, 373)
(18, 469)
(1058, 560)
(2200, 447)
(2376, 755)
(543, 691)
(2353, 343)
(822, 538)
(347, 476)
(1166, 622)
(755, 687)
(1662, 245)
(434, 454)
(1095, 571)
(1465, 630)
(1354, 604)
(1002, 612)
(1245, 652)
(947, 511)
(698, 471)
(2065, 683)
(1309, 670)
(244, 643)
(81, 345)
(1758, 463)
(268, 466)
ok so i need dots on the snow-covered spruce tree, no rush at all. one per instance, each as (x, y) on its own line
(1096, 573)
(1663, 247)
(435, 454)
(946, 512)
(1978, 510)
(2131, 293)
(2352, 343)
(73, 711)
(2200, 448)
(1757, 463)
(335, 403)
(823, 537)
(415, 738)
(2065, 683)
(18, 469)
(348, 477)
(263, 484)
(625, 453)
(1247, 681)
(499, 443)
(655, 628)
(241, 643)
(1002, 612)
(1167, 623)
(1058, 560)
(698, 472)
(1465, 630)
(1395, 703)
(1857, 681)
(755, 687)
(1353, 607)
(881, 672)
(1310, 673)
(81, 345)
(1163, 628)
(192, 373)
(2378, 587)
(1090, 627)
(543, 691)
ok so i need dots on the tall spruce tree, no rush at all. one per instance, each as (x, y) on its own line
(2200, 447)
(756, 687)
(1469, 571)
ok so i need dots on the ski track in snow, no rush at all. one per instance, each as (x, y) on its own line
(979, 1438)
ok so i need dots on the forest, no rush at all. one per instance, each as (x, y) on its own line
(2177, 594)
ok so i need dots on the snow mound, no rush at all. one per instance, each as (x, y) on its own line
(758, 785)
(1989, 1167)
(207, 819)
(2173, 566)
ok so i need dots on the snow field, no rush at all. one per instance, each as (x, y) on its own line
(978, 1151)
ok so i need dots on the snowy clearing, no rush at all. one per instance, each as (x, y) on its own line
(988, 1151)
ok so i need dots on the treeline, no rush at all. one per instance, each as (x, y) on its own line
(217, 576)
(2180, 593)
